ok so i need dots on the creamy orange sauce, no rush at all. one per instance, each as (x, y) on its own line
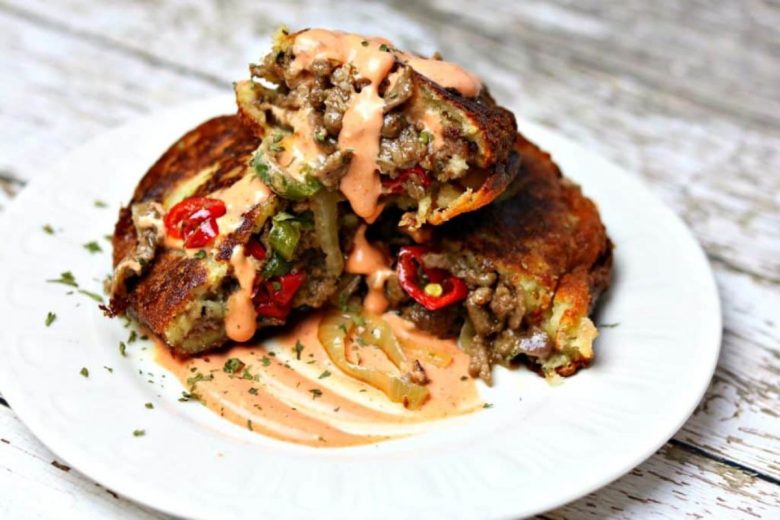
(239, 198)
(373, 59)
(432, 122)
(299, 149)
(240, 319)
(302, 397)
(368, 260)
(446, 74)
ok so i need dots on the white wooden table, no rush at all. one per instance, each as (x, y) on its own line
(686, 94)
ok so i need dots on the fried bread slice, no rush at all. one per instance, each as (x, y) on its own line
(183, 294)
(535, 262)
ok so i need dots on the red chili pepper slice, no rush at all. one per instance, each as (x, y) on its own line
(256, 249)
(194, 220)
(274, 297)
(397, 185)
(409, 262)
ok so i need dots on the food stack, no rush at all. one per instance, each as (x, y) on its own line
(357, 179)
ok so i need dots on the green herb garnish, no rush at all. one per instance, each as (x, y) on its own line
(197, 378)
(65, 278)
(139, 433)
(84, 372)
(94, 296)
(266, 361)
(93, 247)
(48, 229)
(149, 405)
(298, 349)
(123, 348)
(50, 317)
(233, 365)
(315, 393)
(325, 374)
(100, 204)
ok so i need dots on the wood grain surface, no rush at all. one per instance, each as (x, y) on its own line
(685, 94)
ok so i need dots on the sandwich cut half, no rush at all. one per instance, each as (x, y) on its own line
(348, 113)
(516, 280)
(205, 252)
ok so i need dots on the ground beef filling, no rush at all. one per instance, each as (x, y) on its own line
(493, 322)
(327, 89)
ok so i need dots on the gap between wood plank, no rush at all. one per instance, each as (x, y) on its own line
(726, 264)
(104, 42)
(695, 450)
(10, 178)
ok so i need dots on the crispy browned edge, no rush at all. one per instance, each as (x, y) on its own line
(497, 180)
(165, 290)
(545, 228)
(496, 126)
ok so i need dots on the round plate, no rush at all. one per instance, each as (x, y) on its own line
(537, 447)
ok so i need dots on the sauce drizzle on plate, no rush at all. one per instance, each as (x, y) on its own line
(296, 394)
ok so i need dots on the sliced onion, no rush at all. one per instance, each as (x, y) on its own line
(325, 208)
(426, 354)
(466, 337)
(333, 333)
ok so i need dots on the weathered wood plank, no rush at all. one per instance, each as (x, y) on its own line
(58, 91)
(739, 417)
(722, 44)
(675, 484)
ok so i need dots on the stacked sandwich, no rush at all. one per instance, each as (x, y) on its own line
(360, 178)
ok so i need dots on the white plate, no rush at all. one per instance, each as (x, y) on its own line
(538, 447)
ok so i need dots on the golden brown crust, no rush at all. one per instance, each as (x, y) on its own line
(544, 234)
(496, 182)
(171, 281)
(222, 143)
(166, 289)
(493, 127)
(542, 226)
